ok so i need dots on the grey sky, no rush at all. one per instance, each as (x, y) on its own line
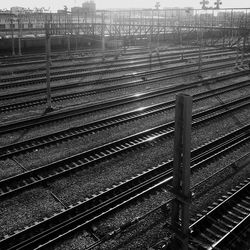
(102, 4)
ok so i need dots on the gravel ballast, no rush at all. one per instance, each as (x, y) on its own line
(33, 205)
(26, 208)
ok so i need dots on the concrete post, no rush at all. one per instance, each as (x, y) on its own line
(181, 172)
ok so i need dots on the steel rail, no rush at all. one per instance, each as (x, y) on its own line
(50, 230)
(94, 91)
(69, 74)
(119, 62)
(214, 229)
(57, 56)
(118, 85)
(88, 55)
(34, 177)
(240, 163)
(114, 102)
(11, 150)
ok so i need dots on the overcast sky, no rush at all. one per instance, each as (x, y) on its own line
(104, 4)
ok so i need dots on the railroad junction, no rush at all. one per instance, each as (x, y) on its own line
(125, 129)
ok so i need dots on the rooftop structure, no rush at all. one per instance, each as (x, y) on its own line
(87, 7)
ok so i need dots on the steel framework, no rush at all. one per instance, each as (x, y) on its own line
(225, 26)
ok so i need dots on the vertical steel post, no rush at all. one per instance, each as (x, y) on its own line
(199, 61)
(77, 32)
(47, 46)
(59, 25)
(19, 37)
(141, 25)
(231, 25)
(182, 51)
(150, 39)
(158, 32)
(243, 50)
(200, 37)
(129, 28)
(237, 56)
(244, 28)
(68, 34)
(110, 23)
(151, 31)
(165, 25)
(212, 28)
(12, 37)
(103, 37)
(181, 172)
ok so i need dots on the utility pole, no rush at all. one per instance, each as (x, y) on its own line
(200, 41)
(158, 28)
(244, 31)
(237, 56)
(150, 39)
(243, 50)
(182, 51)
(48, 63)
(129, 28)
(200, 58)
(67, 28)
(77, 35)
(12, 37)
(19, 36)
(157, 6)
(103, 37)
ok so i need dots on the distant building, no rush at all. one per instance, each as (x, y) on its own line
(17, 10)
(5, 17)
(89, 6)
(77, 10)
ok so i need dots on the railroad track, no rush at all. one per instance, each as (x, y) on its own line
(60, 56)
(76, 217)
(117, 86)
(12, 150)
(84, 109)
(237, 165)
(35, 177)
(218, 228)
(57, 98)
(7, 61)
(120, 62)
(75, 73)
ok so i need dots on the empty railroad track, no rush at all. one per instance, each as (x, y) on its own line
(26, 59)
(33, 79)
(174, 57)
(49, 231)
(84, 109)
(75, 132)
(78, 55)
(32, 178)
(225, 223)
(98, 90)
